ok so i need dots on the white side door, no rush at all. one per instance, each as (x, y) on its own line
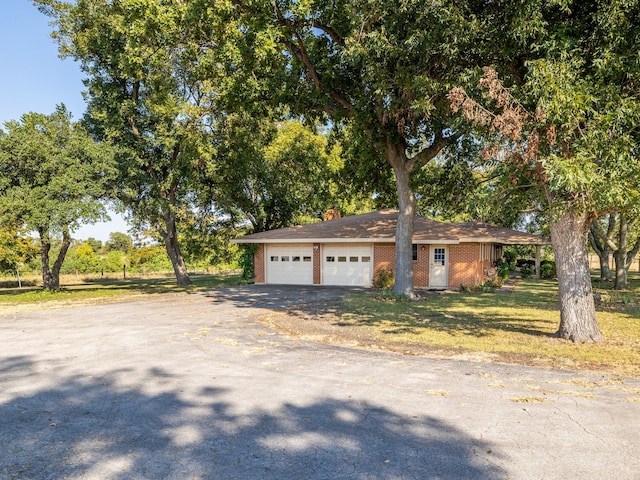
(439, 266)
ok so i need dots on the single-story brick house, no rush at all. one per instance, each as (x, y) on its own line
(349, 250)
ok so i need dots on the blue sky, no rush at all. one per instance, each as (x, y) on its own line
(34, 79)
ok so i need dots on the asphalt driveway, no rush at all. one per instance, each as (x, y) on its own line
(193, 386)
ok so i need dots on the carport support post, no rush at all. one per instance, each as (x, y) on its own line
(538, 247)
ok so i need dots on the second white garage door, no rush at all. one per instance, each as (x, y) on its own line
(346, 264)
(290, 264)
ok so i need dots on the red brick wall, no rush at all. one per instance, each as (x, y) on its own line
(316, 263)
(421, 267)
(464, 265)
(258, 264)
(384, 256)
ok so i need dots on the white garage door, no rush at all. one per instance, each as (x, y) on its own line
(290, 264)
(347, 264)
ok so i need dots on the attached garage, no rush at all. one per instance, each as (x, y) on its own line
(289, 264)
(348, 251)
(345, 264)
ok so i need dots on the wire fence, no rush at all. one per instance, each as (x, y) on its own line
(34, 278)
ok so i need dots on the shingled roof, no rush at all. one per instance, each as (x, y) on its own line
(380, 226)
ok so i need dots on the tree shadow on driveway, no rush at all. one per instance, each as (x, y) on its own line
(98, 427)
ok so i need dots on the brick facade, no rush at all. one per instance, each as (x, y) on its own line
(258, 264)
(421, 267)
(465, 267)
(384, 256)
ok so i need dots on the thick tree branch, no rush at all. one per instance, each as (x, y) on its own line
(300, 52)
(130, 119)
(597, 228)
(596, 243)
(429, 153)
(297, 48)
(631, 254)
(328, 30)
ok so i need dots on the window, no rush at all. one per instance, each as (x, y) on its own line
(342, 259)
(274, 258)
(306, 259)
(353, 259)
(331, 259)
(414, 252)
(295, 259)
(438, 256)
(284, 258)
(366, 259)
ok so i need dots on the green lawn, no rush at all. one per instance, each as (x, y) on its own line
(516, 327)
(109, 290)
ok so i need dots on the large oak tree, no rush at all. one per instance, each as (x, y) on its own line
(384, 67)
(53, 176)
(144, 95)
(567, 115)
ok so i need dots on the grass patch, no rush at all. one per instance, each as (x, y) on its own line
(110, 290)
(514, 328)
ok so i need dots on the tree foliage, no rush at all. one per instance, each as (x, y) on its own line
(120, 241)
(52, 178)
(16, 249)
(568, 125)
(145, 95)
(278, 173)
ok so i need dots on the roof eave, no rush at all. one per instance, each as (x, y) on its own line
(506, 241)
(313, 240)
(427, 241)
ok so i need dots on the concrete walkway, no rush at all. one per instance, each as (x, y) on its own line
(193, 387)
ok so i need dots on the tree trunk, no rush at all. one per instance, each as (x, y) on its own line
(605, 271)
(51, 276)
(620, 256)
(577, 309)
(45, 247)
(170, 236)
(402, 167)
(631, 254)
(602, 248)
